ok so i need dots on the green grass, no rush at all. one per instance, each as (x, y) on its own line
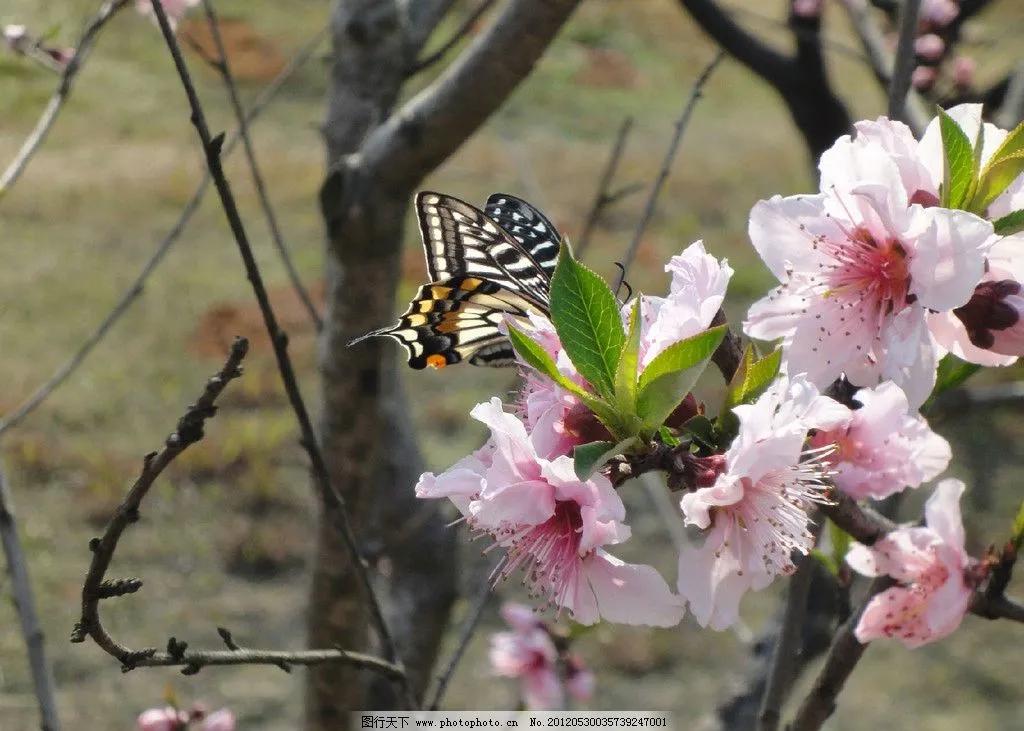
(117, 168)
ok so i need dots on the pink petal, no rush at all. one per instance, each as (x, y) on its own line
(948, 256)
(783, 230)
(630, 593)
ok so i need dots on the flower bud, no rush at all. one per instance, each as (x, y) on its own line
(929, 47)
(924, 77)
(992, 317)
(964, 68)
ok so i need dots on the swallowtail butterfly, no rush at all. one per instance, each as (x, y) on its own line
(483, 266)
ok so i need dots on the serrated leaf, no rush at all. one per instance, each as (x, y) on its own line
(1005, 166)
(531, 352)
(586, 317)
(1009, 224)
(626, 372)
(589, 458)
(753, 377)
(670, 376)
(958, 155)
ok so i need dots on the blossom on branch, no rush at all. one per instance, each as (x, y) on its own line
(933, 571)
(552, 526)
(756, 512)
(863, 263)
(882, 448)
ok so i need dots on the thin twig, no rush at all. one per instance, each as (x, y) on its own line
(1011, 113)
(604, 197)
(458, 35)
(666, 166)
(903, 65)
(97, 587)
(469, 627)
(134, 290)
(24, 603)
(60, 96)
(785, 656)
(223, 67)
(332, 498)
(843, 656)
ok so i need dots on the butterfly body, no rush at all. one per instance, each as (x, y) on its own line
(485, 266)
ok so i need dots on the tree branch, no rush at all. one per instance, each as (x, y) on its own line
(469, 628)
(24, 603)
(329, 493)
(223, 67)
(60, 96)
(903, 64)
(666, 167)
(604, 197)
(464, 29)
(134, 291)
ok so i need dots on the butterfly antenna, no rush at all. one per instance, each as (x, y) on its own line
(629, 288)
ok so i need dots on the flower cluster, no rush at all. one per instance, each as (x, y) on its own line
(539, 658)
(907, 255)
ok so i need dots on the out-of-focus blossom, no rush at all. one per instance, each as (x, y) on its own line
(220, 720)
(21, 42)
(964, 71)
(933, 571)
(579, 679)
(807, 8)
(552, 526)
(862, 265)
(881, 448)
(175, 9)
(529, 654)
(162, 719)
(929, 47)
(937, 14)
(756, 511)
(924, 77)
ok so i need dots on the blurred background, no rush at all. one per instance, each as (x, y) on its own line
(226, 536)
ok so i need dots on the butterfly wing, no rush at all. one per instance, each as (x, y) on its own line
(461, 240)
(527, 225)
(456, 320)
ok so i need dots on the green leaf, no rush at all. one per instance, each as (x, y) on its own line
(586, 317)
(959, 162)
(670, 376)
(1018, 528)
(1009, 224)
(531, 351)
(702, 430)
(667, 437)
(589, 458)
(841, 542)
(825, 560)
(626, 372)
(1005, 166)
(952, 372)
(753, 377)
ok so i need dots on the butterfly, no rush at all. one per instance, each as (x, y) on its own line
(483, 266)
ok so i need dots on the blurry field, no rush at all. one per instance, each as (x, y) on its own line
(225, 537)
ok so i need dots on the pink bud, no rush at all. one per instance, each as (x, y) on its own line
(222, 720)
(162, 719)
(924, 77)
(963, 71)
(807, 8)
(929, 47)
(938, 13)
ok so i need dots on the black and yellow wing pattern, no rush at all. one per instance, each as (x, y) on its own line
(484, 266)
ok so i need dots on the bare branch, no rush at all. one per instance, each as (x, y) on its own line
(135, 290)
(903, 65)
(749, 50)
(224, 68)
(60, 96)
(329, 492)
(604, 196)
(469, 628)
(666, 166)
(843, 656)
(915, 112)
(467, 25)
(785, 661)
(24, 603)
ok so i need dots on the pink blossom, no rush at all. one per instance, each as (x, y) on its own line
(929, 47)
(175, 9)
(528, 653)
(699, 281)
(756, 511)
(936, 14)
(807, 8)
(924, 77)
(882, 448)
(222, 720)
(162, 719)
(579, 680)
(861, 266)
(964, 70)
(552, 525)
(932, 570)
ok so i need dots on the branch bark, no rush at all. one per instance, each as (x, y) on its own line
(24, 603)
